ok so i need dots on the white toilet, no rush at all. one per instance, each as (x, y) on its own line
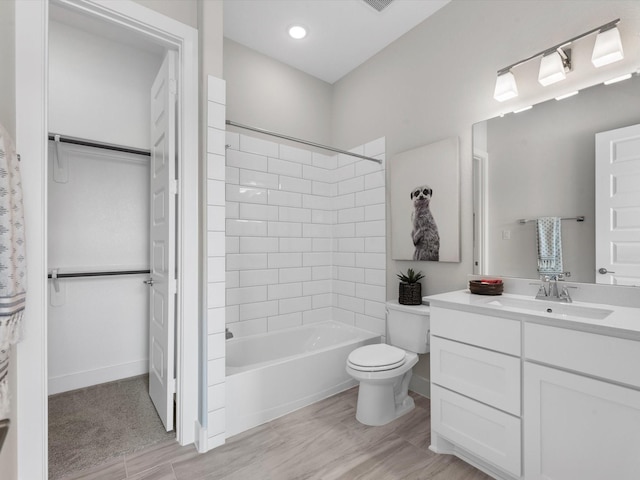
(384, 371)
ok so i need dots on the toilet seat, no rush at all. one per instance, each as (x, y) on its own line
(376, 358)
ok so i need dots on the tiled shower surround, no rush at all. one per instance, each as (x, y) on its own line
(305, 236)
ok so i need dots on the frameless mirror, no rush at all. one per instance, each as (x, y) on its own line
(542, 162)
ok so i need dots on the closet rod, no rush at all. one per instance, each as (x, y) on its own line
(298, 140)
(98, 274)
(91, 143)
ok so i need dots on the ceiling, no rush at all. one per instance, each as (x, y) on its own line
(342, 34)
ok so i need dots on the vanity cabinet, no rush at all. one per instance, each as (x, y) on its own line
(579, 423)
(534, 397)
(476, 387)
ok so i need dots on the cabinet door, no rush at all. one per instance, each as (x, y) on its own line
(485, 432)
(579, 428)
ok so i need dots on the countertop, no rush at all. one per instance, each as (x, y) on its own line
(622, 322)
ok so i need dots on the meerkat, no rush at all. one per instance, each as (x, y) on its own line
(425, 231)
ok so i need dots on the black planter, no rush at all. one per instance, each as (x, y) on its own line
(410, 293)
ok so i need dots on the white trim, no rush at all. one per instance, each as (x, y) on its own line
(201, 438)
(31, 141)
(31, 126)
(481, 212)
(87, 378)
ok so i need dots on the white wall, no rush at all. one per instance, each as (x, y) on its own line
(265, 93)
(8, 454)
(437, 81)
(99, 88)
(98, 218)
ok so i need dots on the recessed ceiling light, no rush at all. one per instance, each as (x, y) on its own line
(297, 32)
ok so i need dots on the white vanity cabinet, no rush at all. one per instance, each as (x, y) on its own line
(581, 405)
(476, 389)
(526, 390)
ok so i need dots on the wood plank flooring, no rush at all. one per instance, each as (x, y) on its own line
(323, 441)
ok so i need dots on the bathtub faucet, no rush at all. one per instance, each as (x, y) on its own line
(228, 334)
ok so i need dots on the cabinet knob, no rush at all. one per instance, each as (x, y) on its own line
(604, 271)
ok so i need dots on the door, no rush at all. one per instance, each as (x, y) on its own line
(577, 427)
(618, 206)
(162, 241)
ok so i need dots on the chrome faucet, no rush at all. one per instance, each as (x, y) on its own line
(549, 289)
(227, 334)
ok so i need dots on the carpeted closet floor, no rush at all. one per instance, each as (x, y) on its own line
(92, 425)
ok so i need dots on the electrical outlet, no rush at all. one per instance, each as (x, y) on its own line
(506, 234)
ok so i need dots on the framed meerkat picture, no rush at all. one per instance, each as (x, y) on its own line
(425, 203)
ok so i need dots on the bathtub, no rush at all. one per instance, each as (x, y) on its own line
(272, 374)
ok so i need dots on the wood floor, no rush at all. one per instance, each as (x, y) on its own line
(322, 441)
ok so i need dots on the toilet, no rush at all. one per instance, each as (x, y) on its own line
(384, 370)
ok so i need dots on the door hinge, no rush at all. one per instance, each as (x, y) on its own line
(172, 385)
(174, 287)
(173, 86)
(174, 187)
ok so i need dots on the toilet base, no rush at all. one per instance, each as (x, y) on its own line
(379, 404)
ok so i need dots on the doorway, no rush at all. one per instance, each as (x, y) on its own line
(32, 127)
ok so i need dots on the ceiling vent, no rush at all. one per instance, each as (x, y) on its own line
(379, 5)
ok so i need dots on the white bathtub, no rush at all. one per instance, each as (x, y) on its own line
(272, 374)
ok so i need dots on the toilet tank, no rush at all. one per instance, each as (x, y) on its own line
(408, 326)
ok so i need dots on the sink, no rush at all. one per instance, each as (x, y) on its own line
(552, 308)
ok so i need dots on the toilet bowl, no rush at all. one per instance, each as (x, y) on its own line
(384, 371)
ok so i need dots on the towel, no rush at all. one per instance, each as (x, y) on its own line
(549, 239)
(13, 273)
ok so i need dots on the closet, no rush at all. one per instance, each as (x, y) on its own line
(100, 83)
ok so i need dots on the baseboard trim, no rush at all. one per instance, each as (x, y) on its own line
(202, 443)
(73, 381)
(420, 385)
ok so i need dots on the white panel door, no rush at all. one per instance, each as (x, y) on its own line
(579, 428)
(618, 206)
(162, 239)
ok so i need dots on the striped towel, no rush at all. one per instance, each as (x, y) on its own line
(13, 273)
(549, 239)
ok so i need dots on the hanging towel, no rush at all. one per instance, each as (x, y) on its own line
(549, 237)
(13, 273)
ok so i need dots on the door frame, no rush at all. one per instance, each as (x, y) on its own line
(31, 30)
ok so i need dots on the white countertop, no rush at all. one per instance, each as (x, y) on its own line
(621, 322)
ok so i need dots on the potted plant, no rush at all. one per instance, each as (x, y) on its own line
(410, 290)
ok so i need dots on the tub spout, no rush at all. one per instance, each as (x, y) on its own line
(228, 334)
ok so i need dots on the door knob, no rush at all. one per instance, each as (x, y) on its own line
(148, 282)
(604, 271)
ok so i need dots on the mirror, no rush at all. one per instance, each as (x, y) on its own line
(541, 162)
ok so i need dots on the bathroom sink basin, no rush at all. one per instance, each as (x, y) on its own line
(557, 309)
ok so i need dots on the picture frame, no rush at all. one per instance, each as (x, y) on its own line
(425, 203)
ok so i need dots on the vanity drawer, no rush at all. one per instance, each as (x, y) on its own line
(490, 377)
(611, 358)
(481, 430)
(494, 333)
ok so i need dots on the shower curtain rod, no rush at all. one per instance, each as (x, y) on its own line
(91, 143)
(298, 140)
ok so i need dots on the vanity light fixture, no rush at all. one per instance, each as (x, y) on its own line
(297, 32)
(523, 109)
(567, 95)
(556, 61)
(554, 66)
(608, 47)
(618, 79)
(506, 87)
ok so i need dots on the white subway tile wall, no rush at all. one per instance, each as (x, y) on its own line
(217, 246)
(305, 236)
